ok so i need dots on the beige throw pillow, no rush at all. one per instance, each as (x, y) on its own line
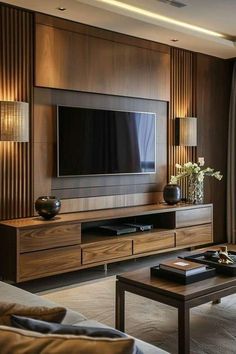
(18, 341)
(50, 314)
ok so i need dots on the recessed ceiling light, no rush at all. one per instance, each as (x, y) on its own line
(158, 17)
(174, 40)
(61, 8)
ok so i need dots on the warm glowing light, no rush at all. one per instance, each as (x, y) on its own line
(156, 16)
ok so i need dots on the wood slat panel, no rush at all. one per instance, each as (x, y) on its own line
(182, 104)
(15, 84)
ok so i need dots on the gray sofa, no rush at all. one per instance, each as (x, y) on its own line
(11, 293)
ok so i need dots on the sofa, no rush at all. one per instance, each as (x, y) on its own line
(10, 293)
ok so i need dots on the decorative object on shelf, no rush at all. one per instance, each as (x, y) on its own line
(14, 121)
(224, 257)
(172, 194)
(48, 206)
(195, 172)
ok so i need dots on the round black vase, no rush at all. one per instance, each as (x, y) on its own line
(172, 194)
(47, 206)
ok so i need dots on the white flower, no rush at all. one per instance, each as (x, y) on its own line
(194, 169)
(177, 165)
(201, 161)
(173, 180)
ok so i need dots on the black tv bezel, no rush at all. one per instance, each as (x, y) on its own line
(104, 174)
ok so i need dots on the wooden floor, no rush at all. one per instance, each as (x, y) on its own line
(81, 276)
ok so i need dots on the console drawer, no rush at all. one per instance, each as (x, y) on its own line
(153, 241)
(46, 237)
(192, 217)
(48, 262)
(106, 250)
(196, 235)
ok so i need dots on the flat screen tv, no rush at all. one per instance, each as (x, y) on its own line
(104, 142)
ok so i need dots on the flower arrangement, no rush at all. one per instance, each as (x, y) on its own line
(195, 170)
(196, 173)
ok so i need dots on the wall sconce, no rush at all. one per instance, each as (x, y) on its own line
(186, 131)
(14, 121)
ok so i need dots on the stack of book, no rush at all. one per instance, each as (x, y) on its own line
(183, 271)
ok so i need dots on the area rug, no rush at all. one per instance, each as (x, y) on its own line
(213, 328)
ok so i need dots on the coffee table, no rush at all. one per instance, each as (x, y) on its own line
(182, 297)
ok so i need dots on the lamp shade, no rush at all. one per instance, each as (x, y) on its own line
(14, 121)
(186, 131)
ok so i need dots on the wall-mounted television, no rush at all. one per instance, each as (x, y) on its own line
(104, 142)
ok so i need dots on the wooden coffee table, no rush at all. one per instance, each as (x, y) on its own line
(182, 297)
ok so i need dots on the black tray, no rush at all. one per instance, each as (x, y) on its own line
(180, 278)
(228, 269)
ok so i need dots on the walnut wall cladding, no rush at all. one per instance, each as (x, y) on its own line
(16, 45)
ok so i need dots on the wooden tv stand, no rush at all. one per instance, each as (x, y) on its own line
(33, 248)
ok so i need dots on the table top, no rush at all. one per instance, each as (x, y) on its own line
(142, 278)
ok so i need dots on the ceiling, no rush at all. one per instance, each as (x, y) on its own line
(214, 15)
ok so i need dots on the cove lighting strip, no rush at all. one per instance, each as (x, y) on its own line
(156, 16)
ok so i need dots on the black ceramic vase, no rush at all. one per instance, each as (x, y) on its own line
(172, 194)
(48, 206)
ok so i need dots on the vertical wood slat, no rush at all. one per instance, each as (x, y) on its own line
(16, 53)
(182, 104)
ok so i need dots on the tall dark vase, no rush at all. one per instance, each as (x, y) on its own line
(48, 206)
(172, 194)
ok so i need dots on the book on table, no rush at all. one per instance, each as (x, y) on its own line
(182, 266)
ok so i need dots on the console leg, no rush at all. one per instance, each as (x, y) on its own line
(105, 268)
(216, 302)
(120, 307)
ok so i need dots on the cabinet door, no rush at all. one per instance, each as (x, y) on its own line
(193, 217)
(153, 241)
(35, 239)
(105, 251)
(195, 235)
(54, 261)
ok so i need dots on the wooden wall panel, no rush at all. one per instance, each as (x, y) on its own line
(16, 53)
(73, 60)
(182, 104)
(213, 93)
(81, 193)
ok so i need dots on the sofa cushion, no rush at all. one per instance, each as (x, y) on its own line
(14, 340)
(58, 328)
(11, 293)
(53, 314)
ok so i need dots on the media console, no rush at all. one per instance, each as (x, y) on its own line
(33, 248)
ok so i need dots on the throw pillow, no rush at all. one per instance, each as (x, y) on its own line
(54, 314)
(56, 328)
(14, 340)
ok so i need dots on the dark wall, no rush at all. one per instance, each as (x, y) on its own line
(213, 82)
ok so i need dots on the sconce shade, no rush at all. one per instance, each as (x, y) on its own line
(186, 131)
(14, 121)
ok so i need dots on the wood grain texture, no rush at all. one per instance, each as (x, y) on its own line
(194, 235)
(48, 262)
(49, 237)
(182, 104)
(153, 240)
(105, 251)
(194, 217)
(95, 215)
(81, 193)
(99, 33)
(16, 48)
(213, 92)
(101, 65)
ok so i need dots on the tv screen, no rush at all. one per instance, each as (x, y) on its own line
(104, 142)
